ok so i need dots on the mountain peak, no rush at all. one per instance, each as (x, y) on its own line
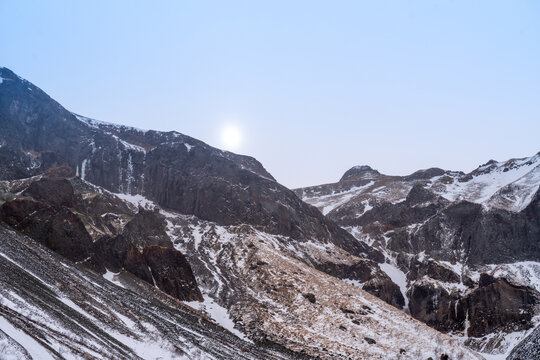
(360, 172)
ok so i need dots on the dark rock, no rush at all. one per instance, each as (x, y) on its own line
(361, 270)
(360, 172)
(310, 297)
(58, 228)
(147, 228)
(55, 192)
(486, 280)
(424, 174)
(433, 269)
(434, 306)
(471, 234)
(366, 271)
(499, 305)
(385, 289)
(118, 253)
(496, 306)
(419, 195)
(370, 340)
(172, 273)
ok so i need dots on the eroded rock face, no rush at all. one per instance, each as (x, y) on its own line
(383, 288)
(172, 273)
(499, 305)
(495, 305)
(433, 305)
(442, 228)
(50, 211)
(434, 270)
(147, 228)
(484, 235)
(58, 228)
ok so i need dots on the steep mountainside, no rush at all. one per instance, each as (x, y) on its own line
(51, 308)
(464, 248)
(174, 221)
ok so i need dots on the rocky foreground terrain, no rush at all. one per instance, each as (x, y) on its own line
(124, 243)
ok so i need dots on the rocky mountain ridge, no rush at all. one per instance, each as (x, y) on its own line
(162, 213)
(464, 248)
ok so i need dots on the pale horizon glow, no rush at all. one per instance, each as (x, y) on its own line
(315, 87)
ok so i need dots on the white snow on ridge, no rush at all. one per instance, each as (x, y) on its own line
(510, 185)
(96, 123)
(334, 200)
(128, 145)
(522, 273)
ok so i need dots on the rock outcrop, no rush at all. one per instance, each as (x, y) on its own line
(50, 212)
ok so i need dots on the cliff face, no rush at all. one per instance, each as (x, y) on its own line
(53, 213)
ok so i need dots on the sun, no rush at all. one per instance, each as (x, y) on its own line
(231, 137)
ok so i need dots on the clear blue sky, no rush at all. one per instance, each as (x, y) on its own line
(315, 86)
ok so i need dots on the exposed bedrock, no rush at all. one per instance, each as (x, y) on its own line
(51, 213)
(494, 305)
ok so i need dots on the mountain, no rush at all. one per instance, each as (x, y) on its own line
(464, 248)
(124, 243)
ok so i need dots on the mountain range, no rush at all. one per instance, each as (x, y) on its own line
(122, 243)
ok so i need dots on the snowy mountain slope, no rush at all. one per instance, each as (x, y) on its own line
(528, 348)
(273, 296)
(261, 283)
(196, 179)
(508, 185)
(54, 310)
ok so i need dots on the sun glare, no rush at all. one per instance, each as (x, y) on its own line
(231, 137)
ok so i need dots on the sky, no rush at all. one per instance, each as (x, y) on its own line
(309, 88)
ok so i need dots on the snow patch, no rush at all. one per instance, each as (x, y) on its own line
(113, 277)
(136, 200)
(398, 277)
(218, 313)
